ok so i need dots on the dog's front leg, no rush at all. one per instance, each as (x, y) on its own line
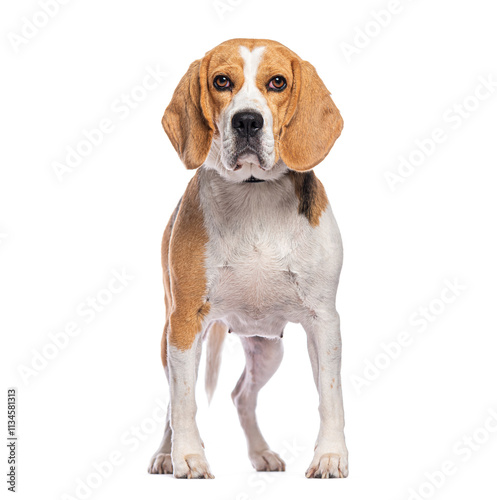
(325, 349)
(188, 455)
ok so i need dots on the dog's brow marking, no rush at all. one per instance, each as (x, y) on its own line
(251, 61)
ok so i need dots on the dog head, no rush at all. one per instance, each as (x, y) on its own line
(252, 108)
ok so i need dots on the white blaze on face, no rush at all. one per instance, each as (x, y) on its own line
(248, 98)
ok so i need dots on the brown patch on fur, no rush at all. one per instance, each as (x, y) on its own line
(311, 194)
(166, 279)
(183, 256)
(225, 59)
(312, 123)
(187, 120)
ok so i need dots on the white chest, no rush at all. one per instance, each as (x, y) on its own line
(264, 261)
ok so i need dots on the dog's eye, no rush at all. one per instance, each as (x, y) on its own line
(277, 83)
(222, 82)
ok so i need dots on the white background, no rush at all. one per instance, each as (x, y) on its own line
(61, 240)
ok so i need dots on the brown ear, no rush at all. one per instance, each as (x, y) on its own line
(187, 120)
(313, 122)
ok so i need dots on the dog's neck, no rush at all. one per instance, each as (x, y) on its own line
(232, 204)
(228, 202)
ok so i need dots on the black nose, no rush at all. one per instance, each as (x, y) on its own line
(247, 124)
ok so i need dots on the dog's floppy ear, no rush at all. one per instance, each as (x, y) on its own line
(312, 123)
(187, 120)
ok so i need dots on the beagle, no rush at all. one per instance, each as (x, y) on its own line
(252, 245)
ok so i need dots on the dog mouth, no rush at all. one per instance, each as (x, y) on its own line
(253, 179)
(248, 158)
(252, 162)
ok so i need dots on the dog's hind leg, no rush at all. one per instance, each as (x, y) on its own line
(161, 462)
(263, 356)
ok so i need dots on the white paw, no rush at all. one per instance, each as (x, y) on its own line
(328, 465)
(192, 466)
(267, 460)
(161, 464)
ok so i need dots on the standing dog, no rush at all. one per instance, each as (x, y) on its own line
(252, 245)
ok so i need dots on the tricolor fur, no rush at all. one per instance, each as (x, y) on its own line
(249, 257)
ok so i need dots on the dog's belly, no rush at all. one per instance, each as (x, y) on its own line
(256, 294)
